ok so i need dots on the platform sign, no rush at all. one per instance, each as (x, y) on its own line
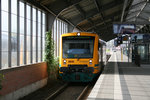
(124, 28)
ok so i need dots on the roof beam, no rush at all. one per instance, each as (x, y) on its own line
(141, 9)
(106, 18)
(82, 12)
(140, 17)
(100, 11)
(92, 23)
(123, 11)
(133, 12)
(130, 18)
(135, 5)
(76, 20)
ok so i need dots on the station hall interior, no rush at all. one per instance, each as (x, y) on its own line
(23, 28)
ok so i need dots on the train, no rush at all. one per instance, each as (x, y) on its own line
(82, 56)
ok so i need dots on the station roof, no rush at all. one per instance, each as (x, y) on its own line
(96, 15)
(139, 12)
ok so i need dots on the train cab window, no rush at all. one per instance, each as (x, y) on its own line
(78, 47)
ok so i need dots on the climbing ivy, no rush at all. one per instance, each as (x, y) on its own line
(49, 54)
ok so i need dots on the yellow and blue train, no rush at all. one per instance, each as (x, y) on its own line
(82, 56)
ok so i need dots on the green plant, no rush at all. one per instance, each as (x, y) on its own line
(49, 55)
(1, 78)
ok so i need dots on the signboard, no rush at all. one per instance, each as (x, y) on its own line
(124, 28)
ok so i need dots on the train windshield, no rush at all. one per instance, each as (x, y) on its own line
(78, 46)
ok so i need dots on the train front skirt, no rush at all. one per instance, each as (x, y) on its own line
(78, 77)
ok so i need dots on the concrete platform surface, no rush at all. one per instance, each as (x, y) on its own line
(122, 80)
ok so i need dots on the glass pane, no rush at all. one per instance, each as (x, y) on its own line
(28, 57)
(4, 4)
(14, 58)
(34, 43)
(13, 42)
(21, 25)
(21, 43)
(4, 21)
(39, 43)
(28, 27)
(43, 54)
(34, 56)
(28, 12)
(21, 58)
(43, 18)
(13, 23)
(33, 14)
(21, 9)
(14, 7)
(39, 16)
(39, 56)
(4, 60)
(28, 43)
(34, 28)
(60, 27)
(43, 31)
(43, 43)
(39, 29)
(4, 41)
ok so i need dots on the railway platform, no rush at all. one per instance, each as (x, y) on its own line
(122, 80)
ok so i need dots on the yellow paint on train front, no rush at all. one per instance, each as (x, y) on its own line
(82, 61)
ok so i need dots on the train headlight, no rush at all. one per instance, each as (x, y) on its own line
(64, 61)
(78, 34)
(90, 61)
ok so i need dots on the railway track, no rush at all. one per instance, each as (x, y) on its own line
(72, 91)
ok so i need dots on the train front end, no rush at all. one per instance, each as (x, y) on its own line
(78, 57)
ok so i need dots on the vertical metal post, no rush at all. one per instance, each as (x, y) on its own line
(62, 27)
(25, 32)
(31, 29)
(18, 33)
(56, 39)
(41, 36)
(9, 34)
(128, 49)
(121, 55)
(0, 39)
(36, 35)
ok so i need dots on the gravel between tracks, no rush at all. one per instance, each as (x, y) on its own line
(72, 91)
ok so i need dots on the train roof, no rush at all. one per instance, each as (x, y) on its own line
(80, 33)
